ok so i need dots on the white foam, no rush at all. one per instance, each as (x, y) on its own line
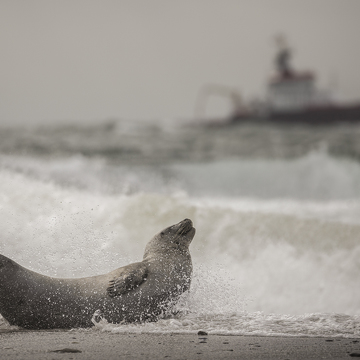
(252, 256)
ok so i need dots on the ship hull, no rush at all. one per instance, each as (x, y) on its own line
(320, 115)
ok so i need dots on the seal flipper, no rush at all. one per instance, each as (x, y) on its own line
(128, 278)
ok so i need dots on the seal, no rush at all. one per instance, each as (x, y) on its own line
(138, 292)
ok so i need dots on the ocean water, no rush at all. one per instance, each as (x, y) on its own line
(276, 208)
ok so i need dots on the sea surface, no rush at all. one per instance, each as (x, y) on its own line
(276, 208)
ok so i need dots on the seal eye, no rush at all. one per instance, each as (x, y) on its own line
(162, 233)
(177, 243)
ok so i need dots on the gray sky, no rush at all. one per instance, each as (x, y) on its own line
(67, 60)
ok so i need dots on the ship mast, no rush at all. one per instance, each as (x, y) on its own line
(282, 60)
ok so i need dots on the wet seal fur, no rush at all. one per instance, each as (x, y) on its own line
(137, 292)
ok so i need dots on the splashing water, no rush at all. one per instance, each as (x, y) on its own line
(277, 248)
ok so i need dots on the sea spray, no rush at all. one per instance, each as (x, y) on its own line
(277, 246)
(284, 263)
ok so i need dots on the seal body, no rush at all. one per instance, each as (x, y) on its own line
(137, 292)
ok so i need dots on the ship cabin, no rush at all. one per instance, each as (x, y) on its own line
(291, 93)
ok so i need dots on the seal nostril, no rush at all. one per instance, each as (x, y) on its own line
(188, 221)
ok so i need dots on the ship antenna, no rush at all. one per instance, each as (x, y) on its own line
(282, 60)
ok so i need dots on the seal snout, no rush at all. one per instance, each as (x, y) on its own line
(188, 222)
(185, 226)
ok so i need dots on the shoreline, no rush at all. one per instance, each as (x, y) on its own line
(82, 344)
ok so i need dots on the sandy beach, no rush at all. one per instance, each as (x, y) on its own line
(98, 345)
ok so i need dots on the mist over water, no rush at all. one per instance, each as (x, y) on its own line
(277, 247)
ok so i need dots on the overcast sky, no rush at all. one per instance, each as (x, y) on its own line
(69, 60)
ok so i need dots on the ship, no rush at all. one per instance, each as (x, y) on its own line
(291, 97)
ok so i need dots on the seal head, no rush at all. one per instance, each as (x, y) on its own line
(173, 239)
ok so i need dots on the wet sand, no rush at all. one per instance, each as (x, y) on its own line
(97, 345)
